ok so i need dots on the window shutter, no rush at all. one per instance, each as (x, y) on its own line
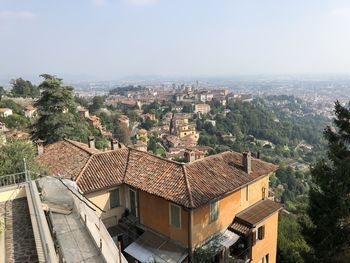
(114, 198)
(262, 232)
(253, 238)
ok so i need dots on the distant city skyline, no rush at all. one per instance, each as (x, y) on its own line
(113, 39)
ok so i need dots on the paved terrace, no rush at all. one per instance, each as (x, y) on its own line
(19, 238)
(73, 237)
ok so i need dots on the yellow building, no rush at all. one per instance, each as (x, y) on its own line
(185, 130)
(217, 203)
(202, 108)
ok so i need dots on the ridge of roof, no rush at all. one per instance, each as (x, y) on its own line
(188, 186)
(84, 168)
(126, 165)
(83, 147)
(154, 155)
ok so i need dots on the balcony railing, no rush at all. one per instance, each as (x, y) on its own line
(12, 179)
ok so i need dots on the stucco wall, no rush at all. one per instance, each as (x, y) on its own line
(154, 213)
(229, 206)
(269, 244)
(101, 199)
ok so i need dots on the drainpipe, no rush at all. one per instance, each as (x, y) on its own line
(190, 252)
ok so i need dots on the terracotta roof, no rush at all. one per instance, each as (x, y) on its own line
(190, 185)
(4, 109)
(29, 107)
(103, 170)
(66, 157)
(258, 212)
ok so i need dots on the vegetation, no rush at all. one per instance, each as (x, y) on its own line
(292, 248)
(24, 88)
(329, 194)
(57, 113)
(12, 154)
(122, 133)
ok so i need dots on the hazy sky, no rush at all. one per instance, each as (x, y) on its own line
(114, 38)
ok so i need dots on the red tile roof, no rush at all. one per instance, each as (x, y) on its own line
(190, 185)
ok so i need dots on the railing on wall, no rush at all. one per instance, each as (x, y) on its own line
(97, 229)
(11, 179)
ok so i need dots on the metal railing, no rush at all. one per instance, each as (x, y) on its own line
(11, 179)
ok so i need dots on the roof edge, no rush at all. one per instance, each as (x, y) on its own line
(188, 187)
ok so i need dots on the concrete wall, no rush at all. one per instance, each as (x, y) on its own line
(12, 192)
(154, 213)
(101, 199)
(269, 244)
(229, 206)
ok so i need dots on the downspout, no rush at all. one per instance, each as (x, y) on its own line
(190, 252)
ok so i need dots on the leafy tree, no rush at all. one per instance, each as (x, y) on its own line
(15, 107)
(12, 154)
(292, 247)
(122, 133)
(187, 108)
(2, 92)
(16, 121)
(329, 208)
(152, 145)
(57, 113)
(97, 103)
(147, 124)
(24, 88)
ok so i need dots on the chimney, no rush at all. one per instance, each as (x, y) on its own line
(190, 156)
(247, 162)
(114, 144)
(40, 146)
(91, 141)
(258, 155)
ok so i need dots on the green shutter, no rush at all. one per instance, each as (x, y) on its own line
(175, 216)
(114, 198)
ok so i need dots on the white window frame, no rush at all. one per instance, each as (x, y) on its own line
(170, 223)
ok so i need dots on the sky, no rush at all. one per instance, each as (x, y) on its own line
(110, 39)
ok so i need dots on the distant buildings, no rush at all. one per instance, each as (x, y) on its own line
(5, 112)
(29, 111)
(202, 108)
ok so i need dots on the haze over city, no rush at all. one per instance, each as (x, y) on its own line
(109, 39)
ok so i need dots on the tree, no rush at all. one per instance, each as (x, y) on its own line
(24, 88)
(152, 145)
(97, 103)
(329, 208)
(12, 154)
(122, 133)
(292, 247)
(2, 92)
(57, 113)
(16, 121)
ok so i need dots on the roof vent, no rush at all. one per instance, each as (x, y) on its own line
(247, 162)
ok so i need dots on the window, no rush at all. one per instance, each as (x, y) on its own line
(175, 216)
(260, 233)
(264, 259)
(246, 193)
(263, 193)
(114, 198)
(214, 211)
